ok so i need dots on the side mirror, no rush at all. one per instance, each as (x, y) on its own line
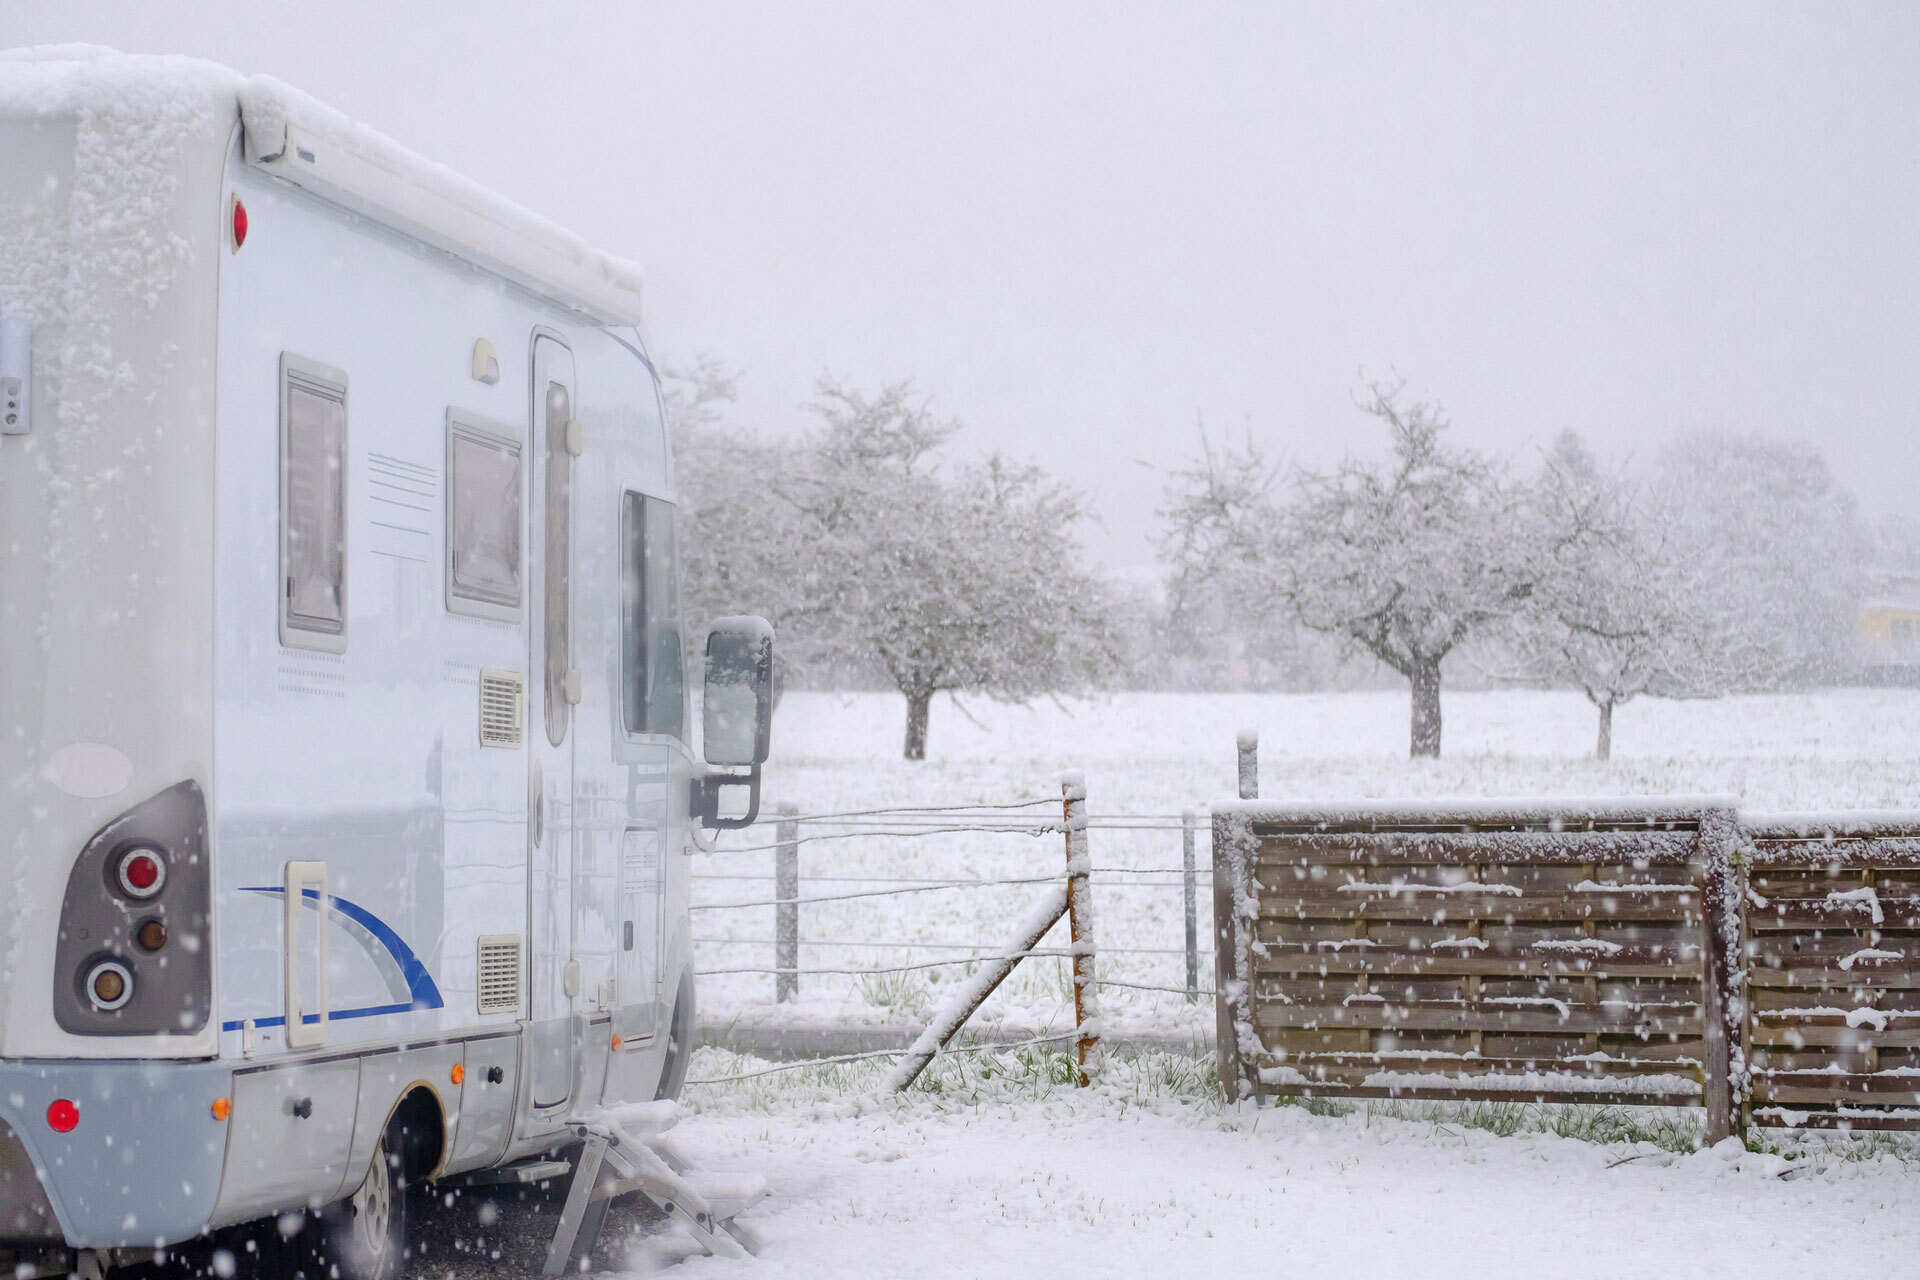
(736, 715)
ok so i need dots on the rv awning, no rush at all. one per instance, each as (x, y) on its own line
(315, 147)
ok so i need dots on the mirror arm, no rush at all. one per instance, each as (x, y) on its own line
(705, 800)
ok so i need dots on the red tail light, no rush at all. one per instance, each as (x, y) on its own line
(239, 224)
(142, 872)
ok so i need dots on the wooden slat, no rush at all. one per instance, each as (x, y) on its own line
(1466, 1093)
(1904, 972)
(1507, 1018)
(1281, 958)
(1281, 904)
(1838, 1036)
(1502, 847)
(1818, 913)
(1848, 1119)
(1843, 1089)
(1887, 850)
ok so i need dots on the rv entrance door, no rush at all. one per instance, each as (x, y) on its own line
(553, 440)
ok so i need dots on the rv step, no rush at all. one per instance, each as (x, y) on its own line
(526, 1171)
(612, 1162)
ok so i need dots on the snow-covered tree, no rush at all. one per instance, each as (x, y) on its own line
(1404, 562)
(963, 581)
(1616, 610)
(1776, 551)
(871, 555)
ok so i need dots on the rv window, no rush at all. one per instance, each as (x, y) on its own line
(656, 700)
(313, 505)
(558, 558)
(483, 519)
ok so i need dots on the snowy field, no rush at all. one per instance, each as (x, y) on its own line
(997, 1168)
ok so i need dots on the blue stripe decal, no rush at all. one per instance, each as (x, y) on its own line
(422, 991)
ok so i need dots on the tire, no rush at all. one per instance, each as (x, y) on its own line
(680, 1037)
(364, 1237)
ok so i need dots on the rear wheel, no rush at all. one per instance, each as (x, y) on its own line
(673, 1073)
(364, 1236)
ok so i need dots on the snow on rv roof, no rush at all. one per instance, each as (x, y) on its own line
(309, 144)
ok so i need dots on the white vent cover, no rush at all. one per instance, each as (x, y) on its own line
(499, 973)
(501, 698)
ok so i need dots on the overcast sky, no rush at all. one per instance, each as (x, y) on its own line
(1078, 227)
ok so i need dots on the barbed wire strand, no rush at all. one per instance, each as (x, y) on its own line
(767, 819)
(1044, 829)
(1142, 986)
(871, 893)
(983, 950)
(904, 968)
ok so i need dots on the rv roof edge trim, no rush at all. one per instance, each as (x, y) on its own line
(311, 145)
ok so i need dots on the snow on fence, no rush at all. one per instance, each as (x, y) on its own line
(1657, 952)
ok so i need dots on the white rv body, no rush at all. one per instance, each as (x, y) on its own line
(409, 888)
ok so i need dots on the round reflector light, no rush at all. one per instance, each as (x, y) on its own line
(62, 1116)
(109, 985)
(151, 935)
(142, 871)
(239, 224)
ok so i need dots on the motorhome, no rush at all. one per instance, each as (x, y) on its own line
(346, 784)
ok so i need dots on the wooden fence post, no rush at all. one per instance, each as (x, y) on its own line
(786, 915)
(1724, 987)
(1086, 995)
(1249, 744)
(1232, 979)
(1188, 882)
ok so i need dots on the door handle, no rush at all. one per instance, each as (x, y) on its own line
(303, 1109)
(539, 805)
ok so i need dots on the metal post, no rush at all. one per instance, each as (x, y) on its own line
(1086, 995)
(786, 915)
(1249, 740)
(1187, 820)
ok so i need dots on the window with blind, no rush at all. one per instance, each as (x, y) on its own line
(313, 505)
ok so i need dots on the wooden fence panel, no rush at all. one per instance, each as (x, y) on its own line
(1833, 960)
(1507, 952)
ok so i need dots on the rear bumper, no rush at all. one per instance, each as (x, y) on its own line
(140, 1169)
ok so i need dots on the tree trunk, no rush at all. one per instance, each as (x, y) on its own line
(1603, 749)
(917, 724)
(1425, 679)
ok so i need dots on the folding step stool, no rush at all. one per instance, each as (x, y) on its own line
(613, 1162)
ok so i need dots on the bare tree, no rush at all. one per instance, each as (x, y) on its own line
(1616, 610)
(1404, 562)
(1778, 552)
(874, 557)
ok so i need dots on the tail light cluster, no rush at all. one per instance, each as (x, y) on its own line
(134, 955)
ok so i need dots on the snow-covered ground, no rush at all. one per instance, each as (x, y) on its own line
(1156, 754)
(1136, 1178)
(997, 1168)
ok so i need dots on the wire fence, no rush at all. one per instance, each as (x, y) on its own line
(1157, 928)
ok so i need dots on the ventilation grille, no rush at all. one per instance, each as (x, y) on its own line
(499, 970)
(500, 703)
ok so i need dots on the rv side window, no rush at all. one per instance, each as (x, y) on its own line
(484, 575)
(313, 505)
(655, 684)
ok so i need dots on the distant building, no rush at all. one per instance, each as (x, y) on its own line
(1890, 638)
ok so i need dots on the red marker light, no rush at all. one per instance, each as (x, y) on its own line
(62, 1116)
(239, 224)
(141, 871)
